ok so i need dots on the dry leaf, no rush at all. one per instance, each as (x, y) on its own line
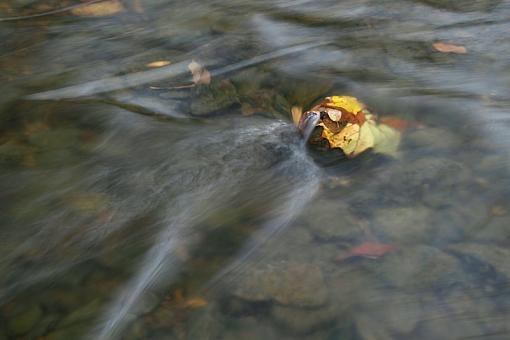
(200, 75)
(349, 125)
(99, 9)
(158, 63)
(195, 302)
(368, 249)
(297, 112)
(449, 48)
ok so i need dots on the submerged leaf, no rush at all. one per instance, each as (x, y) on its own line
(99, 9)
(368, 249)
(449, 48)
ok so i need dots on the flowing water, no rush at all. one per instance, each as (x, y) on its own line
(135, 205)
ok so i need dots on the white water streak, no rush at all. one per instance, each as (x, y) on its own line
(159, 261)
(140, 78)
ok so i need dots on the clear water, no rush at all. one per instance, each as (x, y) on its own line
(134, 206)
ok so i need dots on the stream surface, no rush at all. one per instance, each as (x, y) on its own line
(136, 206)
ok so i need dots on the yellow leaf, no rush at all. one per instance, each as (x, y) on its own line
(158, 63)
(348, 103)
(99, 9)
(349, 126)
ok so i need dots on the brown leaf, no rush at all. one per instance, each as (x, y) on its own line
(449, 48)
(396, 123)
(200, 75)
(368, 249)
(99, 9)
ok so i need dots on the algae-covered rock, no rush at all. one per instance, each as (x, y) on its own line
(285, 282)
(85, 313)
(208, 99)
(25, 320)
(75, 331)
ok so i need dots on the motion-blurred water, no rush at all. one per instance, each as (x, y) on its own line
(137, 206)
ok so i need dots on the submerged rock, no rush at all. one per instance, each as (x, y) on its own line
(329, 220)
(80, 315)
(25, 320)
(496, 230)
(419, 267)
(495, 256)
(206, 100)
(432, 139)
(433, 178)
(404, 224)
(287, 283)
(300, 320)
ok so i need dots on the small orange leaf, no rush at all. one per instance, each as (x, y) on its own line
(449, 48)
(158, 63)
(368, 249)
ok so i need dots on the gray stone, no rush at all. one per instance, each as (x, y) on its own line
(444, 327)
(404, 225)
(250, 328)
(148, 303)
(400, 312)
(496, 230)
(47, 322)
(371, 329)
(76, 331)
(300, 320)
(217, 96)
(433, 139)
(205, 323)
(85, 313)
(330, 220)
(418, 267)
(433, 179)
(495, 256)
(285, 282)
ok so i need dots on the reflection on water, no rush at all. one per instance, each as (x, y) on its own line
(136, 206)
